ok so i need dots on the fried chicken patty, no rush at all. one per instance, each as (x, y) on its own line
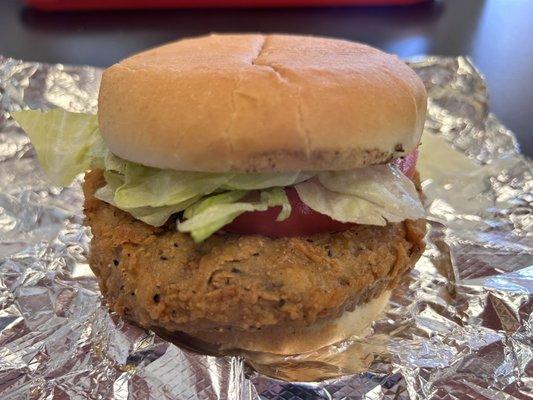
(158, 277)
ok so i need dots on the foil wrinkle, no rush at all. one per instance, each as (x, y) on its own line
(460, 326)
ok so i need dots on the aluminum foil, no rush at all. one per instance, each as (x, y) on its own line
(460, 327)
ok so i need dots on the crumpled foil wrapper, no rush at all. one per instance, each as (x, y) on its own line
(460, 327)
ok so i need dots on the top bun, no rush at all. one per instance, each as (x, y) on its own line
(261, 103)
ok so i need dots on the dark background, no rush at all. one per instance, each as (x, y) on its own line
(496, 34)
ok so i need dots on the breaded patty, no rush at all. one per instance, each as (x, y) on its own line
(158, 277)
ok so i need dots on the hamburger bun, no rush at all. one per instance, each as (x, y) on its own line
(298, 337)
(257, 102)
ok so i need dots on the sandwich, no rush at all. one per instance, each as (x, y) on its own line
(249, 191)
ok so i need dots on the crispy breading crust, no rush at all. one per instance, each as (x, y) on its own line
(158, 277)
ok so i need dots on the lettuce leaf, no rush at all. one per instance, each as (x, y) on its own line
(255, 181)
(107, 193)
(145, 186)
(113, 163)
(383, 185)
(155, 216)
(373, 195)
(276, 197)
(341, 207)
(435, 152)
(223, 198)
(217, 214)
(65, 142)
(209, 215)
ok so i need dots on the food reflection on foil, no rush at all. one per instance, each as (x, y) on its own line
(460, 326)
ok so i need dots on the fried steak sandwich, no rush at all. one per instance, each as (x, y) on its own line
(252, 191)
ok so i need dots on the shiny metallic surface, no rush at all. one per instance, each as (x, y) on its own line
(460, 327)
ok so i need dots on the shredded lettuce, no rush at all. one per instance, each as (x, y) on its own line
(255, 181)
(155, 216)
(276, 197)
(223, 198)
(65, 142)
(341, 207)
(113, 181)
(204, 224)
(113, 163)
(373, 195)
(435, 152)
(145, 186)
(209, 215)
(68, 144)
(383, 185)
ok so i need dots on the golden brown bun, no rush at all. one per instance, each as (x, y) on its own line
(261, 103)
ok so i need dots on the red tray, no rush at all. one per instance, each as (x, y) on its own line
(57, 5)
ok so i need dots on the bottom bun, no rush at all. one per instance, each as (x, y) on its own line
(291, 339)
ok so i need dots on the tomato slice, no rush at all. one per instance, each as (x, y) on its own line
(407, 164)
(303, 221)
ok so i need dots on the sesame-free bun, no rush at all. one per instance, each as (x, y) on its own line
(261, 103)
(295, 337)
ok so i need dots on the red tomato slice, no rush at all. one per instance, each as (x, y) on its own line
(407, 164)
(303, 221)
